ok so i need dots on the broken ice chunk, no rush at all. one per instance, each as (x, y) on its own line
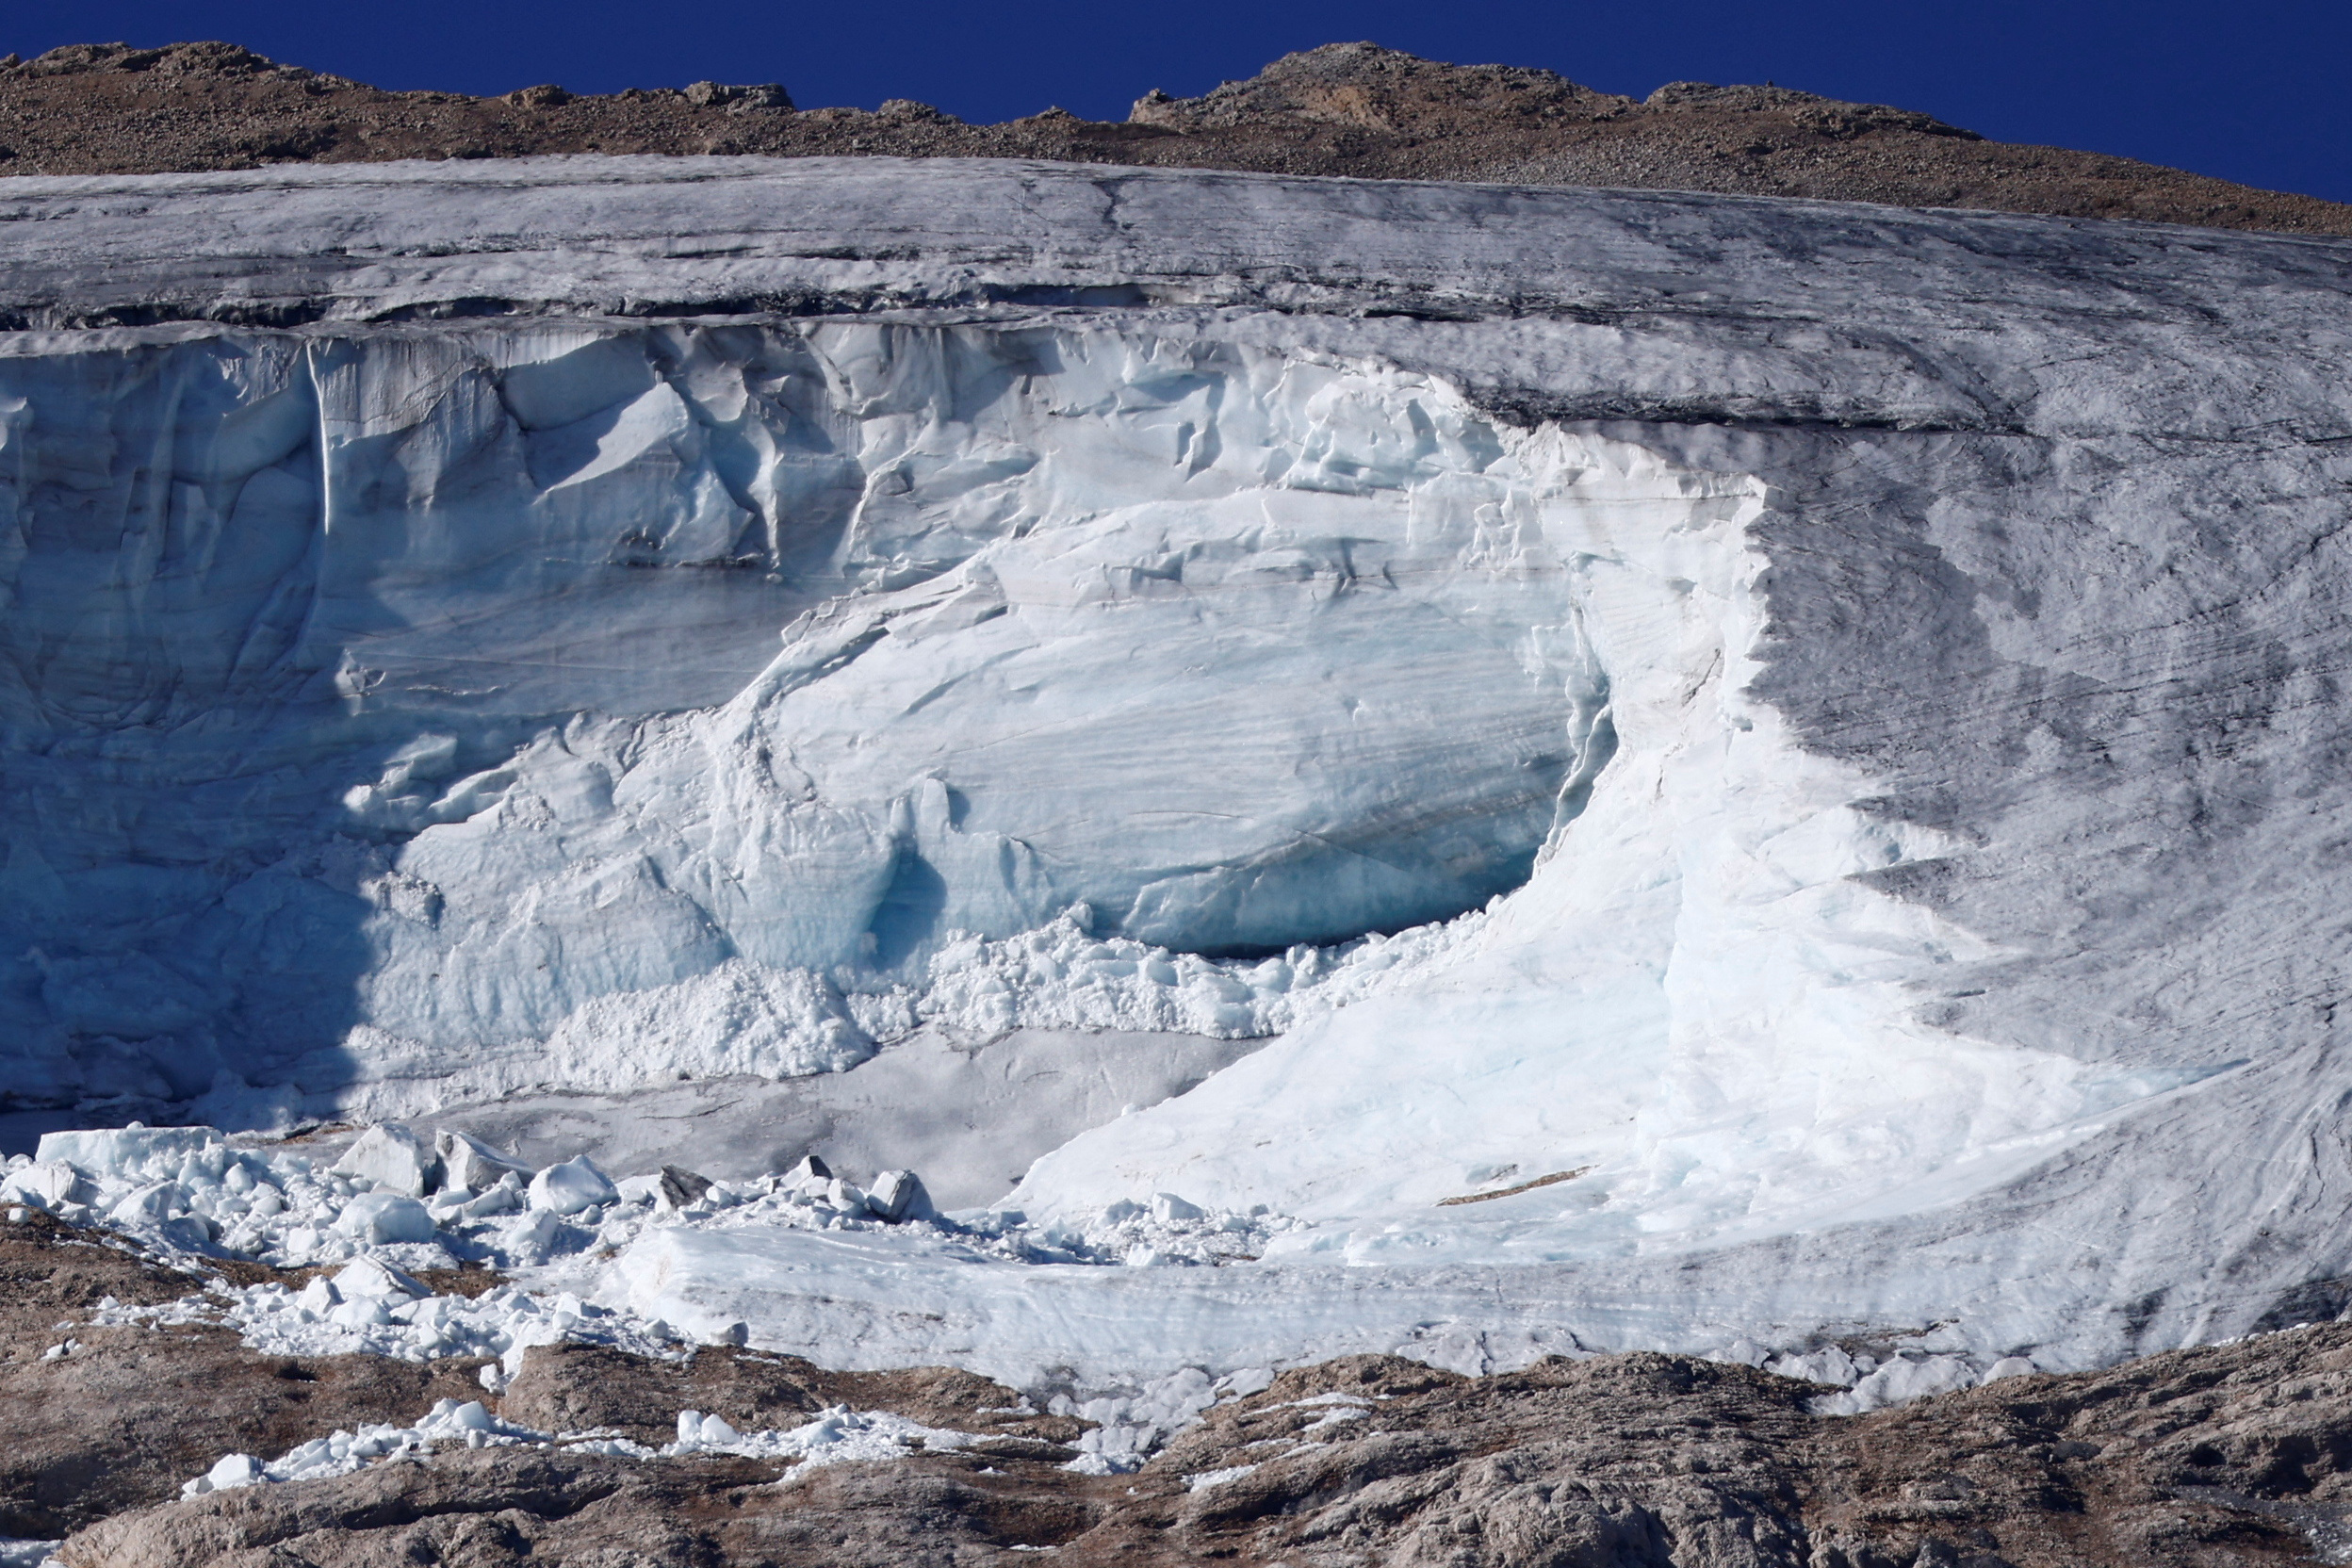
(1831, 1365)
(505, 1198)
(382, 1217)
(695, 1427)
(570, 1187)
(1242, 1383)
(1899, 1382)
(126, 1154)
(360, 1315)
(1167, 1208)
(391, 1158)
(151, 1204)
(377, 1281)
(898, 1195)
(534, 1238)
(50, 1184)
(231, 1473)
(469, 1163)
(643, 1188)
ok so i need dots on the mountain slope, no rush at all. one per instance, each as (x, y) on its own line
(1345, 108)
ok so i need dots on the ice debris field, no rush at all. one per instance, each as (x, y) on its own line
(1464, 771)
(395, 1202)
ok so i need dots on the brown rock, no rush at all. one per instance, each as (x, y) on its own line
(1346, 109)
(579, 1387)
(2224, 1457)
(131, 1413)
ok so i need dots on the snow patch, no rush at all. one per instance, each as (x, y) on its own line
(838, 1435)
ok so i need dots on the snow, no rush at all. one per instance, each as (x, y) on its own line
(1899, 1382)
(970, 1115)
(1200, 1481)
(837, 1436)
(1812, 726)
(572, 1186)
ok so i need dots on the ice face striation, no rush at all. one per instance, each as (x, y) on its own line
(417, 696)
(1888, 665)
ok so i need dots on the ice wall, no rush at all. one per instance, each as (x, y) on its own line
(1944, 929)
(392, 707)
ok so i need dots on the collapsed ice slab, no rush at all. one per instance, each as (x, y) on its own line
(390, 1156)
(124, 1153)
(471, 1165)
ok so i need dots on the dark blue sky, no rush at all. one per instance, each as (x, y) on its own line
(2254, 91)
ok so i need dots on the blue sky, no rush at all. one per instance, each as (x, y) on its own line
(2253, 91)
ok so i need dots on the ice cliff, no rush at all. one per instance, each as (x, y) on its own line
(1760, 765)
(428, 690)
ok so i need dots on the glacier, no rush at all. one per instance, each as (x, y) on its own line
(1726, 770)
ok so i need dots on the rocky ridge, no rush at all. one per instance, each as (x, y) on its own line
(2225, 1455)
(1343, 109)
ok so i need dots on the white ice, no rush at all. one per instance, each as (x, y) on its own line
(1758, 768)
(838, 1435)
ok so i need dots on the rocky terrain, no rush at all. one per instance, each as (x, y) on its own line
(1346, 109)
(2233, 1454)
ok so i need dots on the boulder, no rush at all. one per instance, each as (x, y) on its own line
(679, 1187)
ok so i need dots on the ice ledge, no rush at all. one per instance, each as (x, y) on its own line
(1860, 315)
(697, 235)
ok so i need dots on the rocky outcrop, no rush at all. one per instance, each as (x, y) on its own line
(102, 1418)
(1345, 108)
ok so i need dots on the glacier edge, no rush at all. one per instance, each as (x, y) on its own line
(2041, 585)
